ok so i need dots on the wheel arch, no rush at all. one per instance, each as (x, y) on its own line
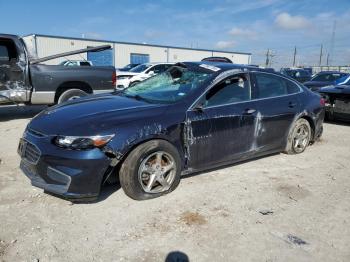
(134, 145)
(72, 85)
(311, 123)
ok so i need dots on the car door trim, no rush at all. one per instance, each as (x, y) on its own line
(251, 100)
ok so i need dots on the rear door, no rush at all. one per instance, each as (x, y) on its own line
(221, 127)
(278, 103)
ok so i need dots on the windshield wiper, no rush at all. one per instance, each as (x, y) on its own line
(138, 97)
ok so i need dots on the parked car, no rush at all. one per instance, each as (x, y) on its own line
(324, 78)
(128, 67)
(140, 73)
(75, 63)
(193, 117)
(298, 74)
(219, 59)
(337, 99)
(23, 79)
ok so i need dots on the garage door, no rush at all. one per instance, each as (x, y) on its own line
(103, 58)
(139, 58)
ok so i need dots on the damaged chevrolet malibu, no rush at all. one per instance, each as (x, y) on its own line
(193, 117)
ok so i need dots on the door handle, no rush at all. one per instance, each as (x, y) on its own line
(249, 111)
(292, 104)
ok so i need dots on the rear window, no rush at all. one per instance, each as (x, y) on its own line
(271, 86)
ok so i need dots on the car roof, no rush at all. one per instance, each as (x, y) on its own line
(331, 72)
(228, 66)
(158, 63)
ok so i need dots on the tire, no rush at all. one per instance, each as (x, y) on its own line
(136, 177)
(299, 137)
(134, 83)
(71, 94)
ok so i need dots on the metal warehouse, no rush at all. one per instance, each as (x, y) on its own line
(123, 53)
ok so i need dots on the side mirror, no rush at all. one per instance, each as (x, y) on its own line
(151, 73)
(199, 107)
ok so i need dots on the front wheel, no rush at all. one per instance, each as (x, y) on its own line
(152, 169)
(299, 137)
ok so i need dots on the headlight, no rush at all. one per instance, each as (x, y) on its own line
(82, 142)
(124, 77)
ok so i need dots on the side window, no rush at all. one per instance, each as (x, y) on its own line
(233, 89)
(4, 54)
(270, 85)
(158, 69)
(292, 88)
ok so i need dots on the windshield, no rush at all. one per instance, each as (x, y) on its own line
(140, 68)
(168, 87)
(345, 80)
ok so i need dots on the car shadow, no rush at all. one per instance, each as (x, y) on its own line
(106, 191)
(12, 112)
(338, 122)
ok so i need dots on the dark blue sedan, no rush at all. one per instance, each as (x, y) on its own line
(324, 78)
(195, 116)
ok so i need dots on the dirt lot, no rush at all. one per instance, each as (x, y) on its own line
(277, 208)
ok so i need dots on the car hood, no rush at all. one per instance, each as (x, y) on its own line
(93, 115)
(126, 73)
(336, 89)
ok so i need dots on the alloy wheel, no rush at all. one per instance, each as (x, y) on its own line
(301, 138)
(157, 172)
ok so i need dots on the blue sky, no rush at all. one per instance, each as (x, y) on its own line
(245, 25)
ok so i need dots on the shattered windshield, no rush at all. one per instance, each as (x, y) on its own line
(168, 87)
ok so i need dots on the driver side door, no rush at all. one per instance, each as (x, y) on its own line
(221, 126)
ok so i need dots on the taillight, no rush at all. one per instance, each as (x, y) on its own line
(114, 79)
(322, 101)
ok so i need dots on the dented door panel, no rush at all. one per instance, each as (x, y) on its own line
(221, 134)
(276, 117)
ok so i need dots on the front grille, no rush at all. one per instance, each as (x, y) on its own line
(29, 151)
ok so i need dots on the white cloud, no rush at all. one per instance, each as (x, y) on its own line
(238, 32)
(225, 44)
(289, 22)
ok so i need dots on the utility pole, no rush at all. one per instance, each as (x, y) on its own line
(267, 58)
(321, 53)
(295, 54)
(331, 52)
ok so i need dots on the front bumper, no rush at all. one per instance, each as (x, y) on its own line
(123, 83)
(72, 174)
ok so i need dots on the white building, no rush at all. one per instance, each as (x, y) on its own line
(123, 53)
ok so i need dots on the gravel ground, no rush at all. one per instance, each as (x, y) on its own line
(276, 208)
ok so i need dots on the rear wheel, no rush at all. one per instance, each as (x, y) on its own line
(299, 137)
(71, 94)
(152, 169)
